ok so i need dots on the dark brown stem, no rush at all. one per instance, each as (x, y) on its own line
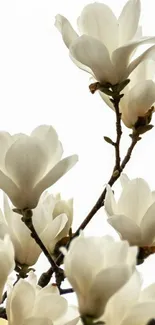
(65, 291)
(118, 132)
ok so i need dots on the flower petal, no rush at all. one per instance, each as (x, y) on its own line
(128, 21)
(148, 226)
(10, 188)
(51, 306)
(37, 321)
(110, 202)
(68, 33)
(127, 228)
(121, 302)
(94, 54)
(55, 173)
(135, 200)
(140, 314)
(148, 293)
(148, 54)
(106, 100)
(26, 162)
(122, 55)
(124, 180)
(5, 142)
(97, 20)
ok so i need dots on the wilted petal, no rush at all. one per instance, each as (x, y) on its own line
(148, 226)
(127, 228)
(97, 20)
(26, 162)
(94, 54)
(57, 172)
(128, 21)
(68, 33)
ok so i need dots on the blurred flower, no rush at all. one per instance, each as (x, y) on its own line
(28, 304)
(30, 164)
(7, 263)
(3, 321)
(139, 95)
(130, 305)
(52, 219)
(97, 267)
(107, 44)
(133, 215)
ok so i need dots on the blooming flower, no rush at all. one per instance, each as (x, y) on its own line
(7, 263)
(133, 215)
(30, 164)
(139, 94)
(97, 268)
(52, 219)
(28, 304)
(107, 44)
(131, 304)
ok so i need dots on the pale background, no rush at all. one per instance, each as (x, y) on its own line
(40, 85)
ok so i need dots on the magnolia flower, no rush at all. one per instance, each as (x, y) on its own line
(97, 268)
(107, 44)
(30, 164)
(131, 305)
(133, 215)
(7, 263)
(28, 304)
(139, 94)
(52, 219)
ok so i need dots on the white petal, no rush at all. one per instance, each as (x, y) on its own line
(37, 321)
(3, 321)
(148, 226)
(106, 99)
(20, 308)
(10, 188)
(141, 98)
(148, 54)
(140, 314)
(97, 20)
(68, 33)
(94, 54)
(124, 179)
(110, 202)
(51, 306)
(127, 228)
(57, 172)
(49, 138)
(121, 302)
(5, 142)
(148, 293)
(122, 56)
(107, 282)
(26, 162)
(128, 21)
(135, 199)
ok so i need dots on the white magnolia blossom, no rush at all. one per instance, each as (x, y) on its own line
(97, 267)
(131, 305)
(28, 304)
(107, 44)
(7, 262)
(133, 216)
(30, 164)
(52, 219)
(139, 94)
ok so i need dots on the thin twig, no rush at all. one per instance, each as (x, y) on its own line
(66, 291)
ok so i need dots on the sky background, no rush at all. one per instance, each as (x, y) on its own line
(40, 85)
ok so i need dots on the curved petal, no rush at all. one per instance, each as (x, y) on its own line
(148, 54)
(26, 162)
(10, 188)
(135, 200)
(50, 305)
(68, 33)
(128, 21)
(107, 282)
(55, 173)
(140, 314)
(122, 56)
(110, 204)
(97, 20)
(20, 308)
(124, 180)
(148, 226)
(94, 54)
(122, 301)
(106, 100)
(127, 228)
(5, 142)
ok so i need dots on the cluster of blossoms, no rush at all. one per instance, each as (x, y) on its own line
(100, 270)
